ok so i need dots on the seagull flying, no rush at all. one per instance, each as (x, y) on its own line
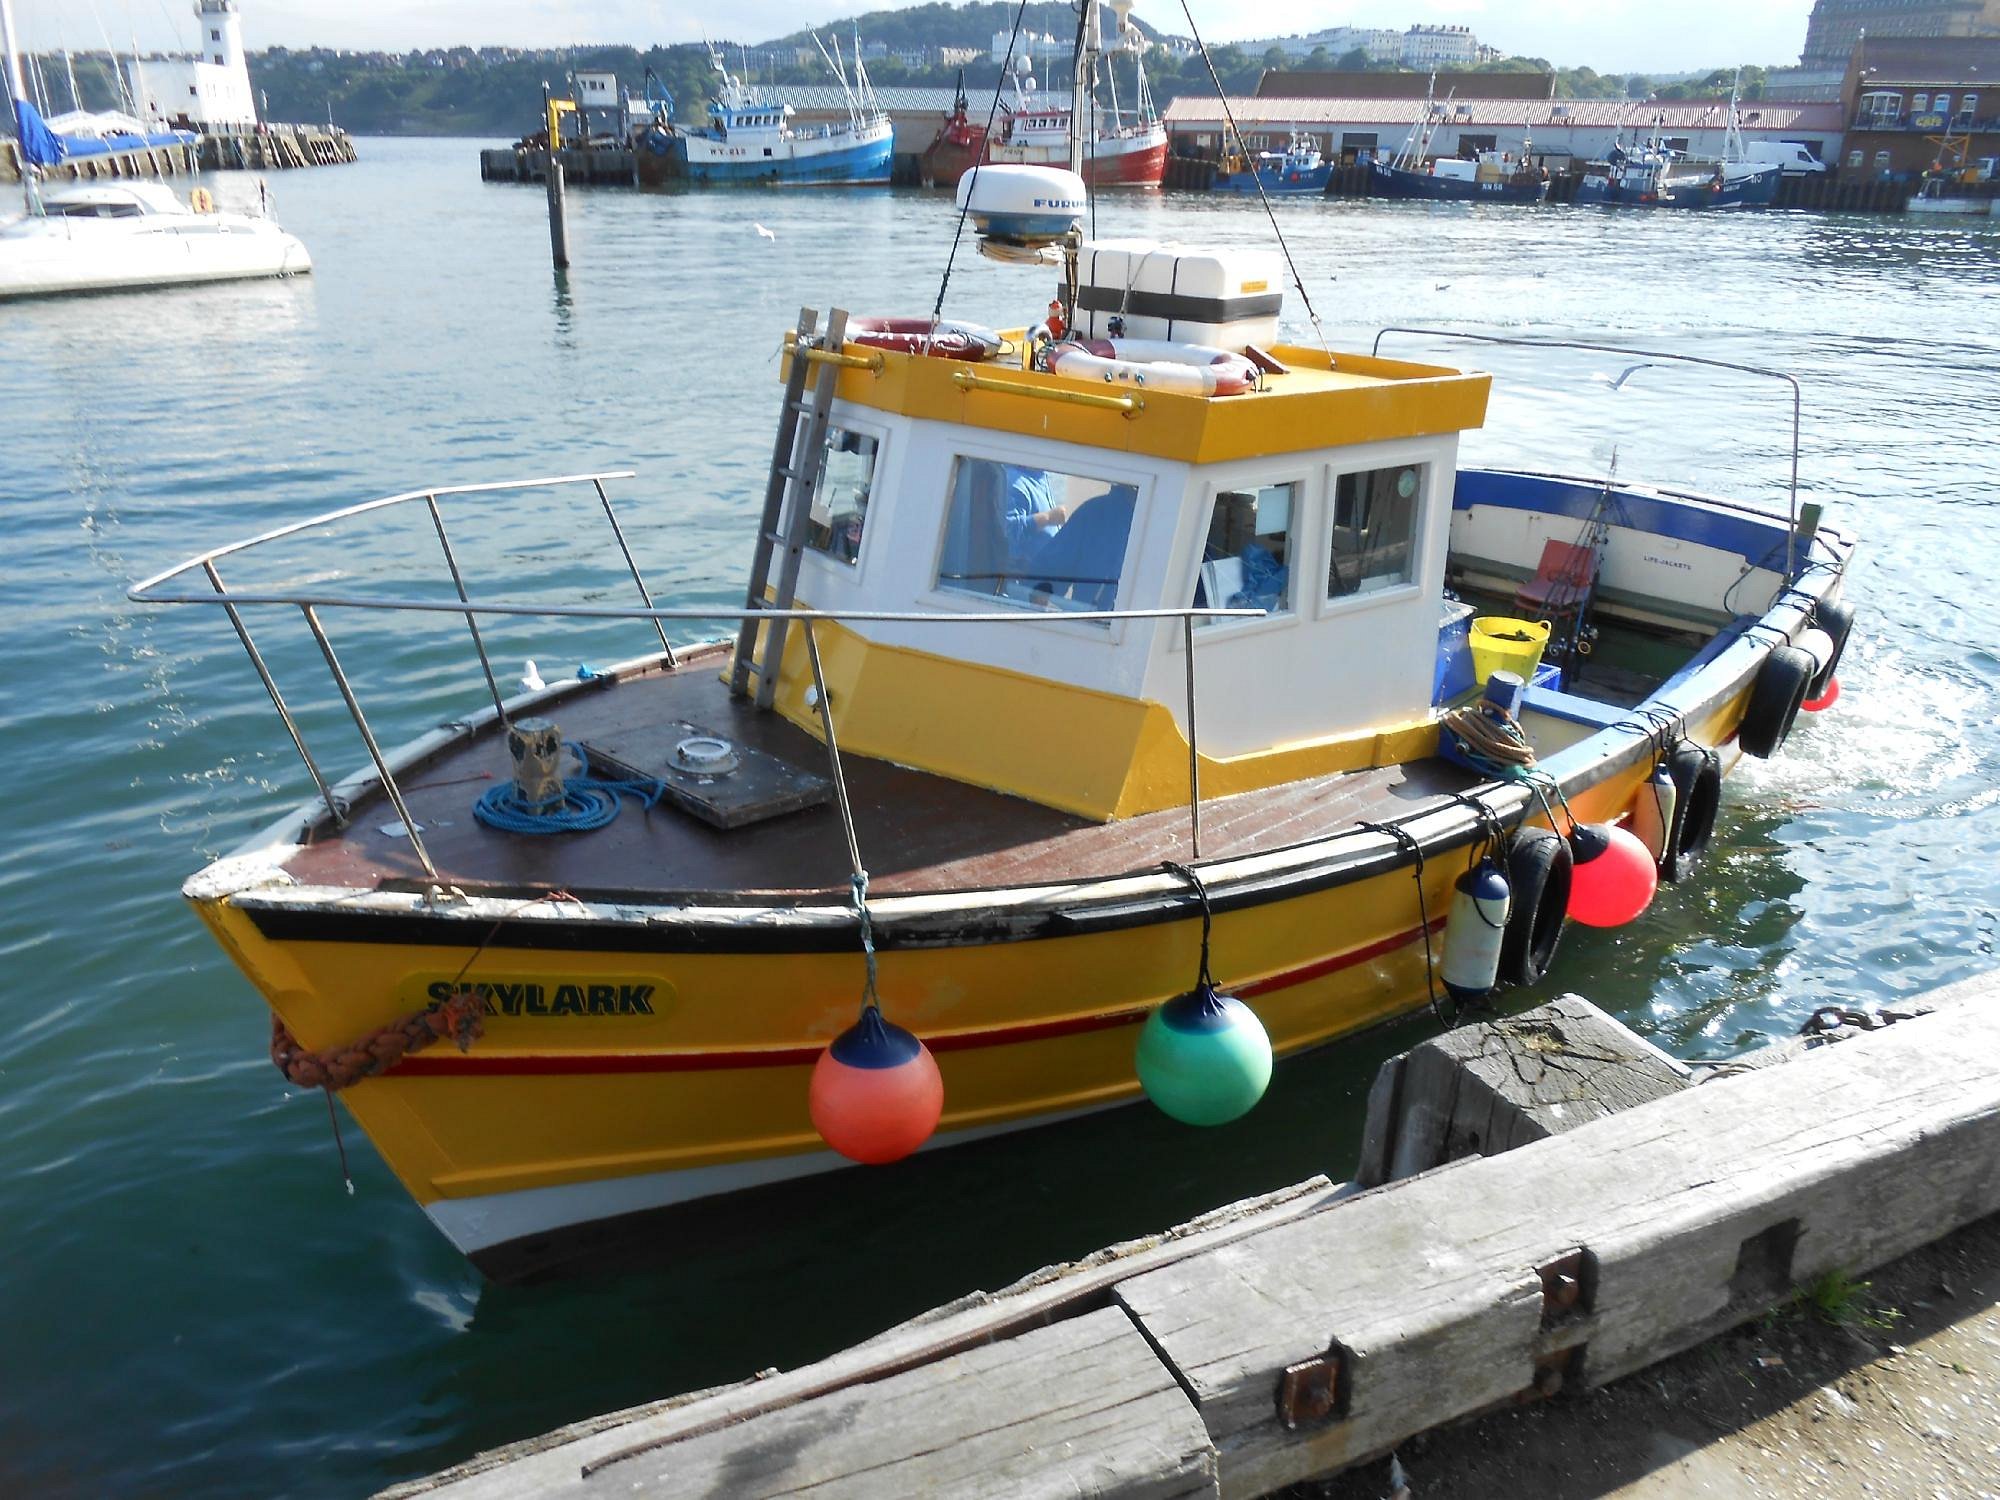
(763, 233)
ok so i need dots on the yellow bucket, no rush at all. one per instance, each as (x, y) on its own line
(1503, 645)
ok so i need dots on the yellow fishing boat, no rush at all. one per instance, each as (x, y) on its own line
(1041, 674)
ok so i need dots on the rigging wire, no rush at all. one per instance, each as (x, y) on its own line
(985, 144)
(1262, 197)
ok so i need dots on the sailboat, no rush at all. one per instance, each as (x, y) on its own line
(110, 236)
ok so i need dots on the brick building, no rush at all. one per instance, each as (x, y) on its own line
(1905, 96)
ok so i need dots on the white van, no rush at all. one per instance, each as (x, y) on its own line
(1795, 160)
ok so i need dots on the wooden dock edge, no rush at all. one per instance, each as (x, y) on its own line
(1299, 1340)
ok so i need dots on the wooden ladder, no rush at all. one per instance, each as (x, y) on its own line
(788, 501)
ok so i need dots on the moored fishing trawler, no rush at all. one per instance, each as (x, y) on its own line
(750, 139)
(1137, 648)
(1105, 143)
(1489, 177)
(1299, 168)
(1651, 175)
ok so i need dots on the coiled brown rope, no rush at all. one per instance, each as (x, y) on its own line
(459, 1016)
(1499, 743)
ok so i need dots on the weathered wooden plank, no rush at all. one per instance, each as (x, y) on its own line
(1696, 1211)
(1484, 1089)
(1083, 1407)
(552, 1465)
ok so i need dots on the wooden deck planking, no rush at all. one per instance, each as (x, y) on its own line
(918, 832)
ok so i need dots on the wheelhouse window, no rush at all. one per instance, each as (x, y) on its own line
(1374, 530)
(840, 499)
(1247, 561)
(1040, 538)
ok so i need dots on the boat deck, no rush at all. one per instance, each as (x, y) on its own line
(919, 833)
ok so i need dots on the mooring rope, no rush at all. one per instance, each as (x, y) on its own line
(587, 802)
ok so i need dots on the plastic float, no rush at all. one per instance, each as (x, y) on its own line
(1155, 364)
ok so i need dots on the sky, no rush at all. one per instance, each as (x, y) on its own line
(1609, 35)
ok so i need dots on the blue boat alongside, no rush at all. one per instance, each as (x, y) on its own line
(1450, 179)
(1653, 177)
(1491, 177)
(1299, 168)
(752, 140)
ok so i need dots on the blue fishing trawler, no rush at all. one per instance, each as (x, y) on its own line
(1495, 177)
(1299, 168)
(1652, 175)
(749, 139)
(1491, 176)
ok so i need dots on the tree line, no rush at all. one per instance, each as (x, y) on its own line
(497, 92)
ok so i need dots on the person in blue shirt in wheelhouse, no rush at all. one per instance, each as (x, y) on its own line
(1032, 513)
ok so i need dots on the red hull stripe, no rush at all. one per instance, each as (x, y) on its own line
(449, 1065)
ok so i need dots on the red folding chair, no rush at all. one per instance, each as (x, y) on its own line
(1562, 583)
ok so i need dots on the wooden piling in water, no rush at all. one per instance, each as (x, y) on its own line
(1308, 1333)
(558, 213)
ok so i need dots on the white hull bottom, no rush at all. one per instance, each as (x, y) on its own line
(1973, 206)
(120, 279)
(50, 257)
(478, 1225)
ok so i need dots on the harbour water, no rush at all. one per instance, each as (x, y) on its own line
(193, 1303)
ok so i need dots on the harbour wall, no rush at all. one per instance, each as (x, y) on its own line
(1559, 1206)
(1825, 192)
(222, 149)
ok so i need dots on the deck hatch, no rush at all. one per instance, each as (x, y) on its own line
(710, 776)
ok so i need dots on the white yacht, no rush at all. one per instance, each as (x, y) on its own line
(109, 235)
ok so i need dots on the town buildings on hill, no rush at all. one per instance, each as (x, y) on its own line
(1421, 47)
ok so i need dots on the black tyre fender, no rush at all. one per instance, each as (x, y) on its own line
(1837, 620)
(1538, 873)
(1775, 699)
(1697, 777)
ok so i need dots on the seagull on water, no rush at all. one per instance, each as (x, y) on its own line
(531, 679)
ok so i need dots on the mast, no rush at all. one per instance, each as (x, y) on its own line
(17, 91)
(1090, 44)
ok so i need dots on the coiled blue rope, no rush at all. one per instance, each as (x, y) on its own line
(587, 802)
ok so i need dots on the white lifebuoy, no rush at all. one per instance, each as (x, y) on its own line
(945, 339)
(1157, 364)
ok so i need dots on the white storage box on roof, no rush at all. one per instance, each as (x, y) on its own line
(1228, 298)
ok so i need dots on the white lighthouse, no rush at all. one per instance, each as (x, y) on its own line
(210, 88)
